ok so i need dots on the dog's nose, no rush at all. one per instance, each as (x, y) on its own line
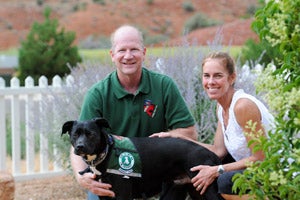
(79, 149)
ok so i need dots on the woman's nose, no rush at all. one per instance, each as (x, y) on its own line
(211, 80)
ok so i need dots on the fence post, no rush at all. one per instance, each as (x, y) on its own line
(2, 128)
(29, 103)
(43, 83)
(56, 83)
(15, 128)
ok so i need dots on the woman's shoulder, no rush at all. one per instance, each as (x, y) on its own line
(244, 104)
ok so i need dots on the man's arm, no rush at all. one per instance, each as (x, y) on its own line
(87, 180)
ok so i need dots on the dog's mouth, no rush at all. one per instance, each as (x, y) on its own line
(88, 157)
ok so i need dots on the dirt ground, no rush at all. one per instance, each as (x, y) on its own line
(58, 188)
(91, 19)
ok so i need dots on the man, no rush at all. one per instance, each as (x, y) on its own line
(135, 101)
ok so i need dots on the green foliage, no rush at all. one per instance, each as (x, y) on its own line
(261, 51)
(199, 20)
(188, 6)
(101, 2)
(150, 2)
(278, 176)
(47, 50)
(9, 147)
(251, 9)
(155, 39)
(278, 23)
(40, 2)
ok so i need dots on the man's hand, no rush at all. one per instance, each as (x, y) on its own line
(88, 182)
(161, 134)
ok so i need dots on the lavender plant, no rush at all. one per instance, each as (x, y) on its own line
(183, 65)
(64, 103)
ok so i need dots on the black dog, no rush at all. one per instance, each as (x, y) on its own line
(161, 159)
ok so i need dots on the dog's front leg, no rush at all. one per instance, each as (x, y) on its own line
(182, 180)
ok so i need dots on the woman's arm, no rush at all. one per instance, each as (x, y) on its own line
(244, 110)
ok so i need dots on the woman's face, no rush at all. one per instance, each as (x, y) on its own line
(216, 79)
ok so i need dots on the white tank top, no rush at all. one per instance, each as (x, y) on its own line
(234, 138)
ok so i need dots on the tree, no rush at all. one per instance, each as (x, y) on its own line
(278, 176)
(47, 50)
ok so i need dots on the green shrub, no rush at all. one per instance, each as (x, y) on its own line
(155, 39)
(262, 51)
(9, 146)
(47, 50)
(150, 2)
(101, 2)
(199, 20)
(188, 6)
(278, 176)
(40, 2)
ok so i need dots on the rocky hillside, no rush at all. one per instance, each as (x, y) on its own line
(155, 17)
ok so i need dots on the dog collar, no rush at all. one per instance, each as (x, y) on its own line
(94, 160)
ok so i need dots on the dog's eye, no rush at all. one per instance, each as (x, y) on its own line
(89, 134)
(75, 134)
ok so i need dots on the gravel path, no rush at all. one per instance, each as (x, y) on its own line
(58, 188)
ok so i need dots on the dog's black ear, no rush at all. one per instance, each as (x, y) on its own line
(102, 122)
(67, 127)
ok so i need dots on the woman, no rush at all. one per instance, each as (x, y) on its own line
(234, 111)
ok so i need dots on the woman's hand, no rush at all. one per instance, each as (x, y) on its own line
(206, 175)
(88, 182)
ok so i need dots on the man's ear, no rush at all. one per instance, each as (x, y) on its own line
(67, 127)
(102, 122)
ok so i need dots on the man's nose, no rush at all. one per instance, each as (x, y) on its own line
(128, 54)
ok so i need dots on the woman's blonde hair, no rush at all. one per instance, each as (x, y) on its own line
(224, 58)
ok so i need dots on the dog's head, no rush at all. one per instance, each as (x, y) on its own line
(87, 137)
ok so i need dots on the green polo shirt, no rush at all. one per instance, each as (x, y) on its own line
(157, 105)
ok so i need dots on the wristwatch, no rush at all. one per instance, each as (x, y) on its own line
(221, 169)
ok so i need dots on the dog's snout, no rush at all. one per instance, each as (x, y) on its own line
(79, 149)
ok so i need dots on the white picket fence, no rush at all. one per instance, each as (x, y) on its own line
(16, 112)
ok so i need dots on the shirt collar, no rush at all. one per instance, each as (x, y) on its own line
(143, 87)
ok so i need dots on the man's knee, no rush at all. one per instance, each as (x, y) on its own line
(91, 196)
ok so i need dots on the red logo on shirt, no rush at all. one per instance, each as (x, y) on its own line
(149, 107)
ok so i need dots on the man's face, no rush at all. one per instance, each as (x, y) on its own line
(128, 53)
